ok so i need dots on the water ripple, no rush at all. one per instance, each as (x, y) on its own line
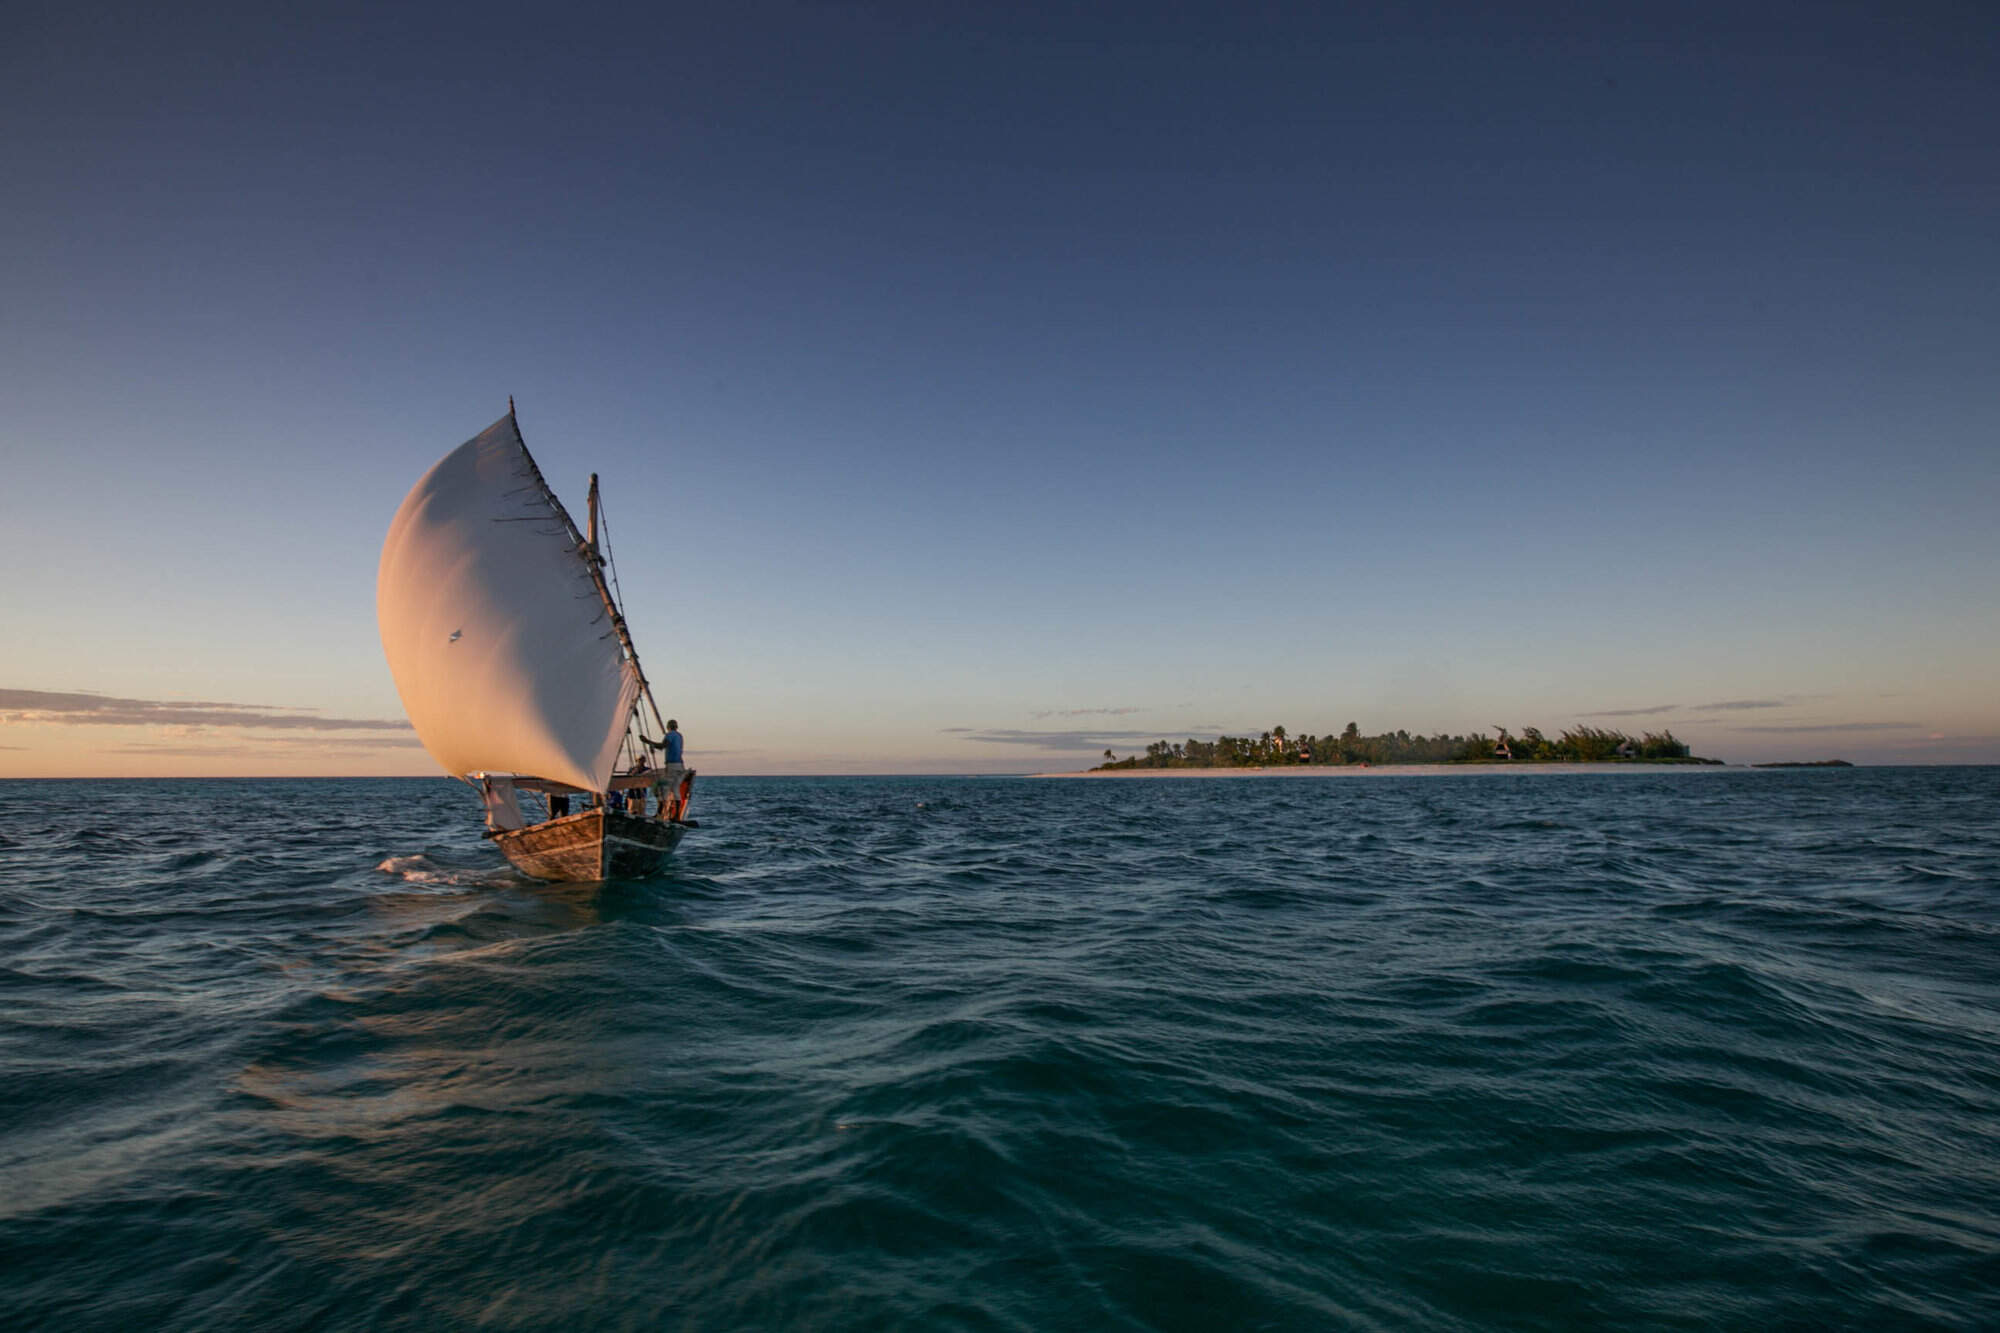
(1678, 1049)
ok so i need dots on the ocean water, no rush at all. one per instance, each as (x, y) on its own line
(1657, 1049)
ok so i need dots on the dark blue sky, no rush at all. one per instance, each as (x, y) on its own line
(969, 364)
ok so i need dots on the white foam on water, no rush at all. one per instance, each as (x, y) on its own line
(420, 869)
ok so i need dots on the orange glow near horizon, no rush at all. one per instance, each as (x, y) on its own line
(29, 750)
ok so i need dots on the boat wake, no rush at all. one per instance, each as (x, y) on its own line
(421, 869)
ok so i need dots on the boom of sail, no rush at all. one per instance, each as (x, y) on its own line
(506, 650)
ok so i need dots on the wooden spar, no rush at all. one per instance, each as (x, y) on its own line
(599, 532)
(586, 547)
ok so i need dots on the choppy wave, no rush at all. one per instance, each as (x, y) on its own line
(1688, 1050)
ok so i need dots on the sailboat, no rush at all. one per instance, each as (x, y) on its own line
(516, 667)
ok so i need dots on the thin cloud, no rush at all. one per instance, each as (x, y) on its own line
(60, 708)
(1939, 741)
(238, 744)
(1085, 712)
(1720, 706)
(260, 747)
(1790, 727)
(1061, 740)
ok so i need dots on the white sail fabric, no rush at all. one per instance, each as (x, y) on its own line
(493, 626)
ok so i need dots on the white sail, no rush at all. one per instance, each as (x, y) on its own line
(500, 643)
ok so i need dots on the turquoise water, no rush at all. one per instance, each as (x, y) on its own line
(1550, 1050)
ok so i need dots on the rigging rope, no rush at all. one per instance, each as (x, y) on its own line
(617, 593)
(634, 745)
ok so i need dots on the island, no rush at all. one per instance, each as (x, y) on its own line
(1277, 748)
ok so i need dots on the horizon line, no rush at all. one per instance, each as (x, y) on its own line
(1022, 773)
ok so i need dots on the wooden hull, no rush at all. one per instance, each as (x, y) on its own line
(590, 845)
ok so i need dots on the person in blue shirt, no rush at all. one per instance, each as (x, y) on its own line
(673, 800)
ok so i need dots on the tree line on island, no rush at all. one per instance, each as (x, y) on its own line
(1277, 748)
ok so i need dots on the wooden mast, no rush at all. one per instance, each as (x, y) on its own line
(597, 565)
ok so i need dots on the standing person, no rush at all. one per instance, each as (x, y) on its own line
(676, 772)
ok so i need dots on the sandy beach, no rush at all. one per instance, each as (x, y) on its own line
(1387, 770)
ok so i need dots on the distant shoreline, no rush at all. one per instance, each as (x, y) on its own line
(1388, 770)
